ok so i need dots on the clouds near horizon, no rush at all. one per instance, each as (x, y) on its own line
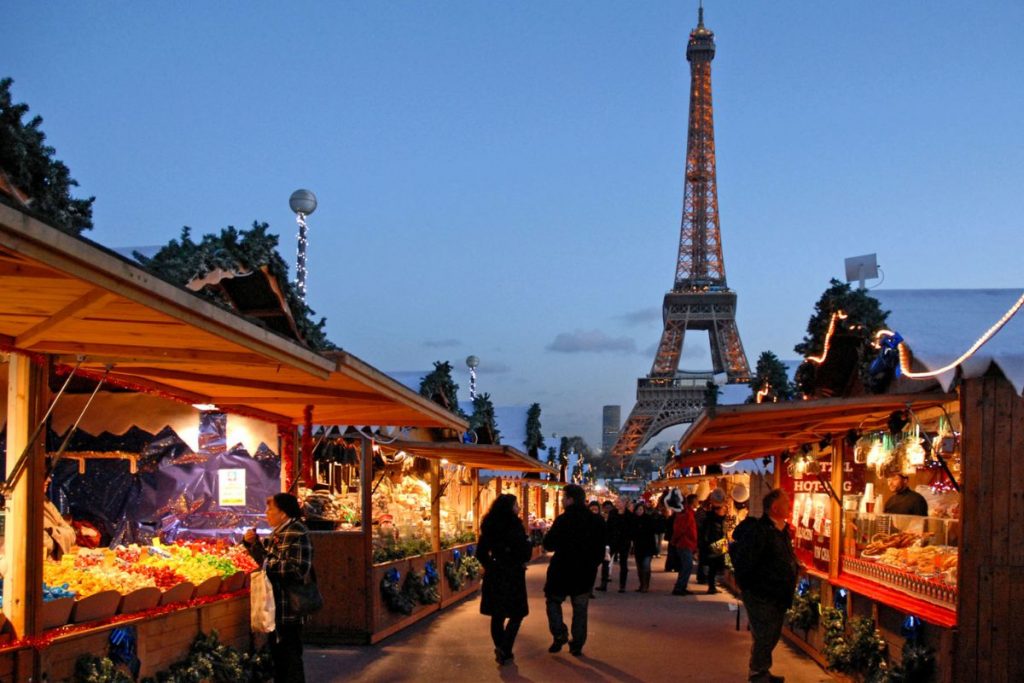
(641, 316)
(591, 341)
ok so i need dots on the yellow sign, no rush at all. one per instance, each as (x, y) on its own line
(231, 487)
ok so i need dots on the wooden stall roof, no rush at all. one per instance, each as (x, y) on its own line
(755, 430)
(490, 457)
(66, 297)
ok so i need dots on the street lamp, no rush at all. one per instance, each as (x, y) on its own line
(302, 203)
(472, 362)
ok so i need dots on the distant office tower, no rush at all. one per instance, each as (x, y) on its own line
(610, 422)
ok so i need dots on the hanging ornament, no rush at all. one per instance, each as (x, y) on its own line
(913, 448)
(862, 449)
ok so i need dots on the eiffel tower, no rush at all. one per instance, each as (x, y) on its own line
(700, 298)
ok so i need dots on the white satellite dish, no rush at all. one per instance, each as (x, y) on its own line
(862, 268)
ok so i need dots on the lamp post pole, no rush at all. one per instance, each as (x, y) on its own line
(472, 362)
(302, 204)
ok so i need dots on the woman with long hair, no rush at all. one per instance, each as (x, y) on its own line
(504, 550)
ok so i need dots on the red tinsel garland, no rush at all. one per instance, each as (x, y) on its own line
(287, 436)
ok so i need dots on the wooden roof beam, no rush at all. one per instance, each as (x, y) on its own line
(122, 353)
(79, 308)
(262, 385)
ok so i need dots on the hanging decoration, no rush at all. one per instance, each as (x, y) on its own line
(905, 359)
(818, 360)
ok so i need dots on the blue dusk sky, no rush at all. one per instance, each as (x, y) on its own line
(505, 179)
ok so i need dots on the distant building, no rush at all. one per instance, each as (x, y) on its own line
(611, 420)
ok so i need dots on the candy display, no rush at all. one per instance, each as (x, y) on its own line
(128, 568)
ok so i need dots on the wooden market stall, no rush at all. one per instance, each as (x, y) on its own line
(72, 307)
(946, 580)
(421, 509)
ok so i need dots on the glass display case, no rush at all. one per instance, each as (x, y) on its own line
(908, 553)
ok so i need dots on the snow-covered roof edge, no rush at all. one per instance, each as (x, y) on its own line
(939, 325)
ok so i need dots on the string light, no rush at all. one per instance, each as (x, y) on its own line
(905, 353)
(763, 392)
(300, 261)
(818, 360)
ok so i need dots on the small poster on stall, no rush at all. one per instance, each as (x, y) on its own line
(231, 487)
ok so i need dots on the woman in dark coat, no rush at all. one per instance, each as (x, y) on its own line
(713, 529)
(619, 540)
(644, 544)
(504, 550)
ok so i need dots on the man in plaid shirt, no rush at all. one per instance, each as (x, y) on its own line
(287, 557)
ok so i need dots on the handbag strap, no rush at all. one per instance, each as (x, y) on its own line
(310, 575)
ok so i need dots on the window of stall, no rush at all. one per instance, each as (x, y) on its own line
(901, 528)
(401, 505)
(456, 504)
(334, 501)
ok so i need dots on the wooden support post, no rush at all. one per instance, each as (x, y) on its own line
(777, 472)
(524, 497)
(476, 501)
(435, 505)
(365, 488)
(23, 583)
(835, 541)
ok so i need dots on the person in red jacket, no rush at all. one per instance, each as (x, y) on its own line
(684, 542)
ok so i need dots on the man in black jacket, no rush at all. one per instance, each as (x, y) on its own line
(577, 539)
(769, 582)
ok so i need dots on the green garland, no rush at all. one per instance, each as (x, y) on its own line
(457, 539)
(417, 588)
(395, 598)
(805, 612)
(208, 661)
(917, 663)
(456, 575)
(93, 669)
(836, 650)
(862, 651)
(472, 566)
(393, 549)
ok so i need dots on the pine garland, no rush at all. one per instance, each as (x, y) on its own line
(233, 249)
(472, 566)
(29, 164)
(395, 598)
(456, 574)
(208, 661)
(861, 651)
(805, 612)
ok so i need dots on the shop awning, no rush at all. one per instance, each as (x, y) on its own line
(489, 457)
(68, 298)
(755, 430)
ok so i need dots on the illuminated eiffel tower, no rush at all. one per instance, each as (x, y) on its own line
(700, 298)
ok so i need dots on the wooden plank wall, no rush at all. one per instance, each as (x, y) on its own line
(340, 563)
(991, 568)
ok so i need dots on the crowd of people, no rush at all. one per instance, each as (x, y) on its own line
(593, 536)
(585, 538)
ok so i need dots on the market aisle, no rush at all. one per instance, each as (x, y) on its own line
(633, 637)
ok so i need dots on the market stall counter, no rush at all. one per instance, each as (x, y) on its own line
(73, 310)
(412, 550)
(895, 571)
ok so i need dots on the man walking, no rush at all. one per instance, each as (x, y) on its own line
(684, 542)
(577, 539)
(766, 570)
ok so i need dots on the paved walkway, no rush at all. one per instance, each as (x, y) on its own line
(638, 638)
